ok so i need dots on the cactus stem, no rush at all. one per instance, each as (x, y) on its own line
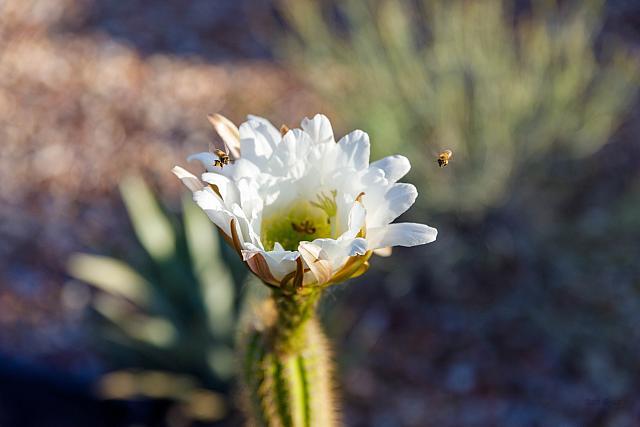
(287, 372)
(304, 392)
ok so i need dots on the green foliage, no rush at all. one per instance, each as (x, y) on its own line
(504, 91)
(176, 309)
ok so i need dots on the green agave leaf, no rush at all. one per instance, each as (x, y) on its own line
(131, 384)
(151, 225)
(215, 279)
(112, 276)
(196, 403)
(222, 361)
(152, 330)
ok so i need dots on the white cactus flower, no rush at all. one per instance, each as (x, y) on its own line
(299, 206)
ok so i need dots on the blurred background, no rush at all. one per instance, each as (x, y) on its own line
(118, 302)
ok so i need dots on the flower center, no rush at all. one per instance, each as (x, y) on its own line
(302, 220)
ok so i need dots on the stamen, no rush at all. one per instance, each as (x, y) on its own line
(284, 129)
(327, 203)
(305, 227)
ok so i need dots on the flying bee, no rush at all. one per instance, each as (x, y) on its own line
(223, 157)
(305, 227)
(444, 157)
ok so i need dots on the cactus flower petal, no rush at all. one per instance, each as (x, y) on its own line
(400, 234)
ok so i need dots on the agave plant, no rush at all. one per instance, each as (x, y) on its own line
(175, 309)
(504, 90)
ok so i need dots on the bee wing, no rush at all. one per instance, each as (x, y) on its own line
(434, 152)
(435, 155)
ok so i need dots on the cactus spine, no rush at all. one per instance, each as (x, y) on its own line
(287, 364)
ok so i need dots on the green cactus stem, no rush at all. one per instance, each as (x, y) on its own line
(287, 364)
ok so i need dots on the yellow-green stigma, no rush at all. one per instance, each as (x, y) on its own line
(302, 220)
